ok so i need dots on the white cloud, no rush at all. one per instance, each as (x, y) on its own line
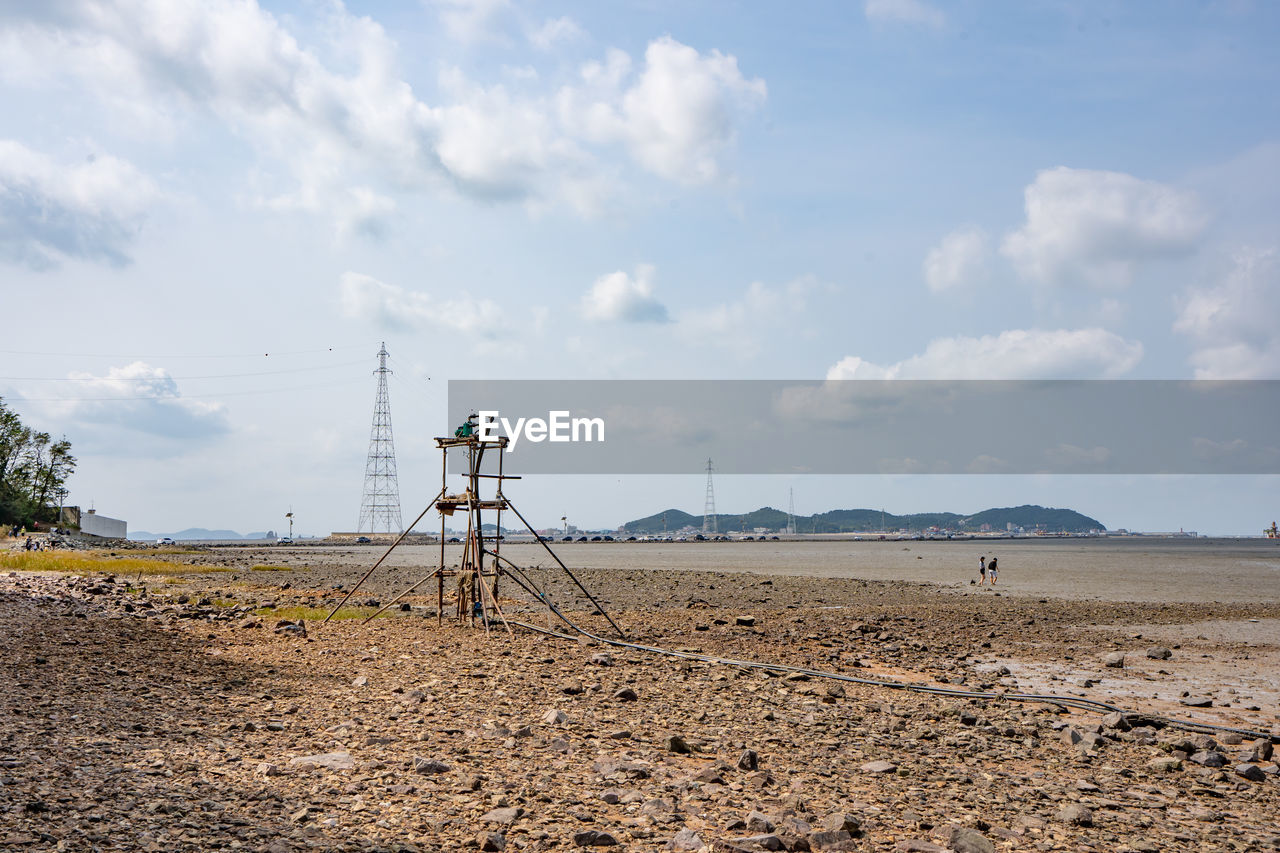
(742, 325)
(619, 297)
(142, 399)
(1232, 323)
(556, 31)
(904, 12)
(1094, 228)
(1012, 354)
(472, 20)
(52, 211)
(957, 260)
(393, 307)
(358, 131)
(679, 115)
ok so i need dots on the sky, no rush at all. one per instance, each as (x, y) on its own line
(212, 215)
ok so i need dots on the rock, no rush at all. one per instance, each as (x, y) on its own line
(1115, 660)
(830, 839)
(917, 845)
(1209, 758)
(328, 760)
(677, 744)
(626, 694)
(429, 766)
(745, 621)
(491, 842)
(602, 659)
(265, 769)
(360, 681)
(685, 839)
(749, 760)
(1252, 772)
(1076, 815)
(1264, 749)
(593, 838)
(837, 821)
(504, 816)
(759, 822)
(1070, 736)
(710, 775)
(879, 767)
(766, 841)
(1164, 764)
(1159, 653)
(1196, 701)
(555, 717)
(1117, 721)
(966, 840)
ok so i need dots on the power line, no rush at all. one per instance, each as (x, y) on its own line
(72, 399)
(183, 355)
(175, 378)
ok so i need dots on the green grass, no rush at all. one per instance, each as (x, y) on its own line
(89, 562)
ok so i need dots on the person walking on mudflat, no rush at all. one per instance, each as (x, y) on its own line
(982, 570)
(992, 571)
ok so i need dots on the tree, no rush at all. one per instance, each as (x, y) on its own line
(33, 469)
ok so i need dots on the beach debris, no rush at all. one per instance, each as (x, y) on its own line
(1159, 653)
(1115, 660)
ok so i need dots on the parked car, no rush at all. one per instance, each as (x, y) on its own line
(165, 540)
(284, 540)
(363, 540)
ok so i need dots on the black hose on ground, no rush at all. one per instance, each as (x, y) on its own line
(1066, 701)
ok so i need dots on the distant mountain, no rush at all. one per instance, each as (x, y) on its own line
(1029, 517)
(197, 533)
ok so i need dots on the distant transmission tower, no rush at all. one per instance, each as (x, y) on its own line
(709, 511)
(380, 506)
(791, 512)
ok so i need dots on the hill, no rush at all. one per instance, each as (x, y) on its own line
(1029, 517)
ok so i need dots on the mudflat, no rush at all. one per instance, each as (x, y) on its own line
(194, 712)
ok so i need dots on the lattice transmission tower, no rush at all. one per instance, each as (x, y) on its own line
(380, 506)
(709, 511)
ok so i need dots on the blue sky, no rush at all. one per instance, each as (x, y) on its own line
(211, 214)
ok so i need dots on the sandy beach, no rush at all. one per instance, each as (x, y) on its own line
(178, 713)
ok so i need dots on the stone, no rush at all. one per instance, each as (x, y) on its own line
(830, 839)
(677, 744)
(555, 717)
(602, 659)
(765, 841)
(1252, 772)
(1076, 815)
(758, 822)
(1196, 701)
(1070, 736)
(966, 840)
(839, 821)
(1209, 758)
(1159, 653)
(918, 845)
(593, 838)
(504, 816)
(626, 694)
(360, 681)
(429, 766)
(1118, 721)
(1164, 764)
(1115, 660)
(491, 842)
(265, 769)
(328, 761)
(745, 621)
(685, 839)
(880, 766)
(749, 760)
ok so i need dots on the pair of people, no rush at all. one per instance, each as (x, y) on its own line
(988, 570)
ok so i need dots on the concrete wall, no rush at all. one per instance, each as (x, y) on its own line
(101, 525)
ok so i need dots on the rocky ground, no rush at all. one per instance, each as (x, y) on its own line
(186, 716)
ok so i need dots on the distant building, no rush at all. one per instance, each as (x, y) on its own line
(92, 524)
